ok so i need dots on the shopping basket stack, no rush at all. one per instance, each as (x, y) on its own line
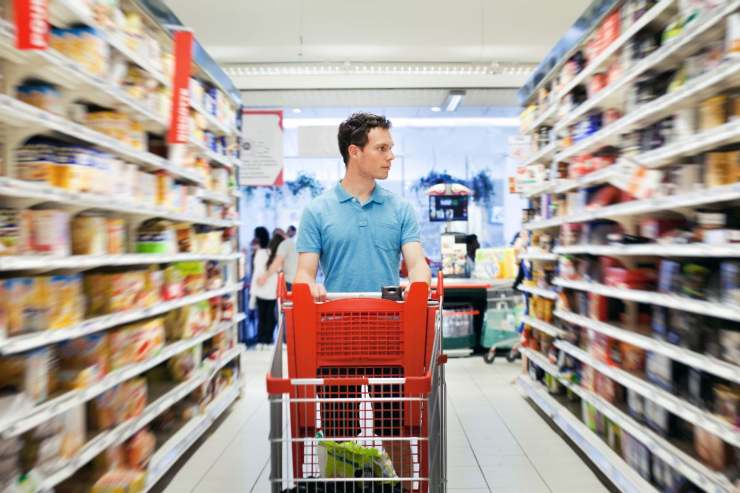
(362, 406)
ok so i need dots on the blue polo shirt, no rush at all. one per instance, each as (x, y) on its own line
(359, 244)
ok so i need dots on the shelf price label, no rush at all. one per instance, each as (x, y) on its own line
(31, 24)
(179, 131)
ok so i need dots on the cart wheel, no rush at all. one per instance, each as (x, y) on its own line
(490, 356)
(513, 356)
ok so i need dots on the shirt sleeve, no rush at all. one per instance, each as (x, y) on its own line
(409, 225)
(309, 233)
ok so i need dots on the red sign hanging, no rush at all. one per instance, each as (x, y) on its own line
(179, 132)
(31, 24)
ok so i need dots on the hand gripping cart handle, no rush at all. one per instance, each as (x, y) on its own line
(362, 407)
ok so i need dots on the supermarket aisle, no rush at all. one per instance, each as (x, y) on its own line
(497, 442)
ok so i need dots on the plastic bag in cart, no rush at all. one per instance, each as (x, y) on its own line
(352, 460)
(346, 487)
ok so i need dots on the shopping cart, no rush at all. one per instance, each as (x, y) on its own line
(501, 323)
(362, 405)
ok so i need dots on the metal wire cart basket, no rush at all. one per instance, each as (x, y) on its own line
(362, 405)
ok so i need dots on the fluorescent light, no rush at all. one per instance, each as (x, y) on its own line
(349, 68)
(453, 100)
(411, 122)
(436, 109)
(296, 110)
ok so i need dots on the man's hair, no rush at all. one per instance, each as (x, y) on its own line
(354, 130)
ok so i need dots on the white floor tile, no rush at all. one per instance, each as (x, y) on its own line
(465, 477)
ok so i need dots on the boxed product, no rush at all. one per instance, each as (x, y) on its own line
(711, 449)
(121, 481)
(106, 410)
(140, 448)
(727, 403)
(89, 234)
(136, 342)
(112, 292)
(26, 304)
(82, 361)
(188, 321)
(193, 275)
(182, 365)
(49, 232)
(13, 232)
(730, 282)
(637, 455)
(116, 236)
(636, 405)
(156, 236)
(28, 373)
(41, 95)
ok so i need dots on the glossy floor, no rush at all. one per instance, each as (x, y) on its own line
(496, 440)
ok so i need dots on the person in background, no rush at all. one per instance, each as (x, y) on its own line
(286, 260)
(471, 242)
(264, 296)
(291, 231)
(260, 240)
(519, 243)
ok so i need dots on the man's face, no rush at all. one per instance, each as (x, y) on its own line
(374, 160)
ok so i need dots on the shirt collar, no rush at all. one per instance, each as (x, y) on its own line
(343, 196)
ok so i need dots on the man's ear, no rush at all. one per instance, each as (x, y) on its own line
(354, 150)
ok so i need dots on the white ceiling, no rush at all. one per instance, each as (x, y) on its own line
(422, 31)
(238, 31)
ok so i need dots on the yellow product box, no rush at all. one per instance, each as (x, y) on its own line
(116, 235)
(67, 301)
(121, 481)
(114, 292)
(165, 187)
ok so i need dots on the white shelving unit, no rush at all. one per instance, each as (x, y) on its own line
(559, 112)
(207, 210)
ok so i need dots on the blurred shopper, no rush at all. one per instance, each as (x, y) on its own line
(471, 241)
(265, 294)
(291, 231)
(286, 261)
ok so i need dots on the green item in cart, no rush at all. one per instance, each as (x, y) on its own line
(344, 460)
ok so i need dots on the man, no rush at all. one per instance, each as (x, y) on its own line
(286, 260)
(357, 230)
(291, 231)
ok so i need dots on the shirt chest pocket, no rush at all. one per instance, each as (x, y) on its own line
(387, 235)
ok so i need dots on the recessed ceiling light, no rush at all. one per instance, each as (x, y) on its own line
(436, 109)
(296, 110)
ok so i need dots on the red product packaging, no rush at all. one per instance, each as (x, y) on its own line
(633, 358)
(597, 307)
(610, 29)
(620, 277)
(656, 228)
(597, 83)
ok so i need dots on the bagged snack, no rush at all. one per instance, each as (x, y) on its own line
(188, 321)
(114, 292)
(351, 460)
(181, 366)
(134, 397)
(66, 300)
(193, 275)
(121, 481)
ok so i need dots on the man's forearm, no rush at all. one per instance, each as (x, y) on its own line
(420, 273)
(303, 277)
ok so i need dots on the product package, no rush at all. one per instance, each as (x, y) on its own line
(115, 291)
(82, 361)
(89, 234)
(28, 373)
(49, 232)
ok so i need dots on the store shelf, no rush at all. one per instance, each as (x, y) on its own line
(72, 75)
(27, 342)
(539, 256)
(174, 448)
(125, 430)
(683, 303)
(545, 117)
(213, 157)
(619, 472)
(69, 12)
(699, 361)
(214, 124)
(542, 293)
(23, 116)
(30, 193)
(684, 45)
(679, 407)
(544, 154)
(84, 262)
(216, 197)
(28, 419)
(540, 360)
(653, 250)
(598, 63)
(726, 134)
(542, 188)
(542, 326)
(703, 86)
(726, 193)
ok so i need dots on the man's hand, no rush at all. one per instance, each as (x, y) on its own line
(261, 280)
(318, 291)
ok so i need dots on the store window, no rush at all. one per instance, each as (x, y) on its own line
(477, 155)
